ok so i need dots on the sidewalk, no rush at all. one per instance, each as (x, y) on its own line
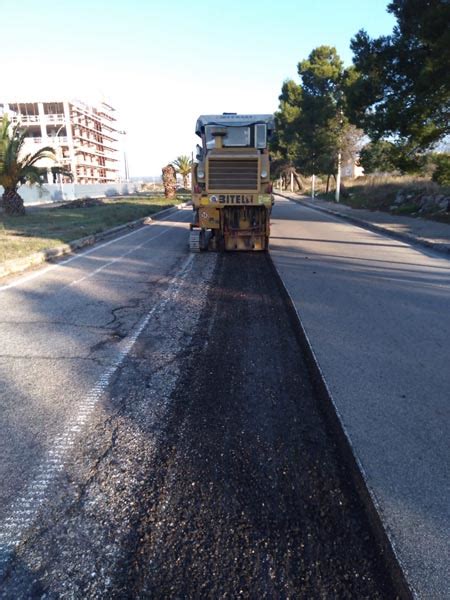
(431, 234)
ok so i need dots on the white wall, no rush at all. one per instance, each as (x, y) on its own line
(352, 170)
(69, 191)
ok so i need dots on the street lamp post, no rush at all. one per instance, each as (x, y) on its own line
(125, 161)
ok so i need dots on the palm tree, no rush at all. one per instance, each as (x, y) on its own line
(16, 169)
(183, 166)
(169, 178)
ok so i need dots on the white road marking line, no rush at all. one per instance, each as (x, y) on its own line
(41, 272)
(24, 510)
(111, 262)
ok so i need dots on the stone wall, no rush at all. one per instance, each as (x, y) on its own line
(422, 202)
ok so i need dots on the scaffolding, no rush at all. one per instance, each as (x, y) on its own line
(85, 137)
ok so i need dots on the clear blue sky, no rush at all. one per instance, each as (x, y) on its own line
(164, 63)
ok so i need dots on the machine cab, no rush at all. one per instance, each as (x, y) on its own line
(235, 131)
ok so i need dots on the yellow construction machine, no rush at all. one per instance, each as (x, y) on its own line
(231, 190)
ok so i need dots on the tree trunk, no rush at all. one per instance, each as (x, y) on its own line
(289, 176)
(12, 202)
(328, 183)
(298, 181)
(185, 182)
(169, 177)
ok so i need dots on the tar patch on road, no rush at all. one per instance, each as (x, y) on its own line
(250, 498)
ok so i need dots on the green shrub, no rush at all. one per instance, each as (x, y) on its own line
(378, 157)
(441, 173)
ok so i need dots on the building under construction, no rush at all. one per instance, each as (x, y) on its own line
(85, 137)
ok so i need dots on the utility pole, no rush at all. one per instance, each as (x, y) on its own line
(339, 158)
(338, 177)
(313, 178)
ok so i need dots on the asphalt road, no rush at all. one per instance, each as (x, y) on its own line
(207, 469)
(376, 311)
(62, 329)
(160, 436)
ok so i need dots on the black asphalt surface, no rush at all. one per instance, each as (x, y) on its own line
(253, 500)
(232, 486)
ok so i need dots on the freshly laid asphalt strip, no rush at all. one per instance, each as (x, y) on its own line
(236, 489)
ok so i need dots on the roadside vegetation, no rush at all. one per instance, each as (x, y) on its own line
(43, 228)
(398, 194)
(180, 166)
(183, 165)
(17, 168)
(390, 111)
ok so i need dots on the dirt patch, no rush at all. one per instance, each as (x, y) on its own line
(83, 203)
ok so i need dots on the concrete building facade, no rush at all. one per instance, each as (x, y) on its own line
(85, 137)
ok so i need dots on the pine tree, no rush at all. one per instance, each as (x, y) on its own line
(400, 86)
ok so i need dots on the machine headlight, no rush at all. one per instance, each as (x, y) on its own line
(263, 173)
(200, 174)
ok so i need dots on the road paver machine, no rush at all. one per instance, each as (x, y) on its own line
(231, 190)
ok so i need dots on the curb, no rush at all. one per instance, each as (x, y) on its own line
(370, 504)
(17, 265)
(404, 237)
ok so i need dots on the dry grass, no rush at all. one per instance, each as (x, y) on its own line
(378, 192)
